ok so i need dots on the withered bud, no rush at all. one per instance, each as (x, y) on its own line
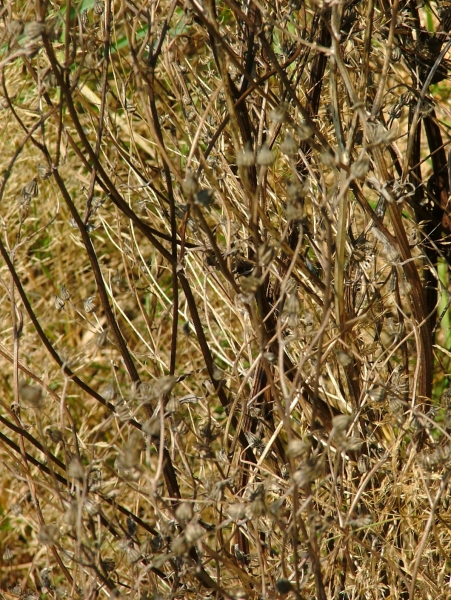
(49, 535)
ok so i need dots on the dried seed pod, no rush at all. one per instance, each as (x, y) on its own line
(59, 302)
(31, 395)
(240, 555)
(312, 469)
(84, 19)
(344, 358)
(14, 28)
(265, 254)
(257, 506)
(381, 136)
(75, 469)
(189, 184)
(43, 171)
(173, 405)
(279, 113)
(53, 29)
(179, 545)
(94, 480)
(245, 157)
(89, 305)
(304, 131)
(99, 7)
(163, 386)
(49, 535)
(31, 189)
(55, 435)
(236, 511)
(396, 110)
(292, 307)
(194, 531)
(360, 521)
(152, 428)
(298, 448)
(101, 338)
(340, 423)
(265, 157)
(250, 284)
(255, 442)
(184, 512)
(351, 443)
(70, 515)
(65, 295)
(108, 565)
(33, 29)
(396, 54)
(294, 212)
(91, 507)
(363, 464)
(132, 553)
(329, 159)
(110, 392)
(360, 168)
(377, 393)
(130, 107)
(289, 146)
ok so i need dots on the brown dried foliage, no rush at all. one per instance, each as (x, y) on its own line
(224, 270)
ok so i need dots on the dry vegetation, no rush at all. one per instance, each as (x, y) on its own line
(225, 338)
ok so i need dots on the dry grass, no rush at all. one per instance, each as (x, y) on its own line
(224, 334)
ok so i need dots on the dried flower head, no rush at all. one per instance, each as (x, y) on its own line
(49, 535)
(246, 157)
(330, 159)
(184, 512)
(289, 146)
(189, 184)
(31, 395)
(360, 168)
(363, 464)
(377, 393)
(31, 189)
(279, 113)
(265, 157)
(75, 468)
(108, 565)
(70, 515)
(58, 302)
(298, 448)
(55, 435)
(44, 172)
(194, 531)
(99, 7)
(304, 131)
(65, 295)
(89, 305)
(33, 29)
